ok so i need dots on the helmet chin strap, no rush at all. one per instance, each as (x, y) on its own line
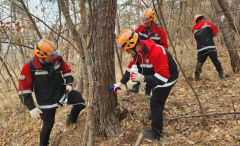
(134, 49)
(44, 61)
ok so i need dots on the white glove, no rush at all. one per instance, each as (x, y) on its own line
(68, 88)
(35, 113)
(136, 77)
(118, 85)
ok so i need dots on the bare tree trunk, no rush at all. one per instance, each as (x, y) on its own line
(170, 14)
(0, 48)
(106, 119)
(84, 43)
(75, 35)
(118, 29)
(138, 11)
(223, 4)
(234, 57)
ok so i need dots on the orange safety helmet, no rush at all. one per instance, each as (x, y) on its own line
(45, 49)
(127, 40)
(196, 17)
(148, 16)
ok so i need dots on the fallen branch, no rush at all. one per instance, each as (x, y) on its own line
(200, 115)
(139, 139)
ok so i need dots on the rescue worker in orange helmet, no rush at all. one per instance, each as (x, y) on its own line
(149, 30)
(204, 32)
(164, 78)
(44, 74)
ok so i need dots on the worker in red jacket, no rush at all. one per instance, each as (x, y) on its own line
(164, 77)
(204, 32)
(44, 74)
(149, 30)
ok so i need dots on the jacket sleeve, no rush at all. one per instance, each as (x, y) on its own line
(213, 28)
(126, 76)
(159, 60)
(163, 40)
(67, 73)
(25, 87)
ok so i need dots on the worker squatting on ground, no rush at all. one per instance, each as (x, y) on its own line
(43, 75)
(164, 77)
(149, 30)
(204, 32)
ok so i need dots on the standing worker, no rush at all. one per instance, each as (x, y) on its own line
(149, 30)
(204, 32)
(164, 77)
(43, 75)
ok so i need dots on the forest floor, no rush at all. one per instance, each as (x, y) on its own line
(216, 96)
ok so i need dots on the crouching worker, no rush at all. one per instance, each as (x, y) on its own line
(44, 74)
(164, 78)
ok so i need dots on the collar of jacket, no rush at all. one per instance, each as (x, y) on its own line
(199, 25)
(37, 63)
(154, 29)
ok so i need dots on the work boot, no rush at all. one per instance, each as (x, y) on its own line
(70, 121)
(221, 75)
(198, 71)
(134, 89)
(150, 134)
(73, 116)
(197, 76)
(148, 90)
(148, 116)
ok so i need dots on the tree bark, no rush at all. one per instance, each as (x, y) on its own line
(84, 43)
(102, 52)
(223, 5)
(76, 36)
(234, 57)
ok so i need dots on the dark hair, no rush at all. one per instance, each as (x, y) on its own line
(199, 19)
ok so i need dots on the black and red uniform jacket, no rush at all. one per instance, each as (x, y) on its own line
(204, 32)
(47, 83)
(164, 66)
(158, 35)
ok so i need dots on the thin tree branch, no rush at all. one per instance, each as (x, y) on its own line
(20, 45)
(30, 17)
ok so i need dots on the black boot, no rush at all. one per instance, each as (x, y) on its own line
(73, 116)
(148, 90)
(197, 76)
(198, 70)
(221, 75)
(70, 120)
(150, 134)
(134, 89)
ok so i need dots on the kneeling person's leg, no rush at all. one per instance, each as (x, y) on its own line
(75, 98)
